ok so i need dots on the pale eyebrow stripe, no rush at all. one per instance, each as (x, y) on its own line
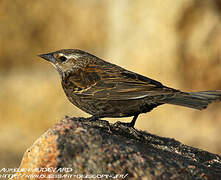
(75, 56)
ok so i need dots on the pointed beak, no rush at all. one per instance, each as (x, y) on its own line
(49, 57)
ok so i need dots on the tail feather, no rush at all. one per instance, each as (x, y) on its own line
(196, 100)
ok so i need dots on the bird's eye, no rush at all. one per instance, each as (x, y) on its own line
(62, 58)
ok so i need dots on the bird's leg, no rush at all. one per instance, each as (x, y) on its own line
(130, 124)
(129, 127)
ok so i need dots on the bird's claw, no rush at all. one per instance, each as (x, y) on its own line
(120, 124)
(128, 127)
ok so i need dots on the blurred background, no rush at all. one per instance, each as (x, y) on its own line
(175, 42)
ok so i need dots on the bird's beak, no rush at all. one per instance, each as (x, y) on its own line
(49, 57)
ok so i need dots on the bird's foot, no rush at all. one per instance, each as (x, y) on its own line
(96, 122)
(130, 124)
(93, 118)
(118, 123)
(128, 127)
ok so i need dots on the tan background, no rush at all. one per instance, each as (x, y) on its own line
(175, 42)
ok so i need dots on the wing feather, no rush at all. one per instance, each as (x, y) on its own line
(120, 84)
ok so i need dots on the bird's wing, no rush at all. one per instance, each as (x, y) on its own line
(120, 84)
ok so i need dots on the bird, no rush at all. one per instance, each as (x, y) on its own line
(106, 90)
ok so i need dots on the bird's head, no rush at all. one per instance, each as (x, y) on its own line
(67, 59)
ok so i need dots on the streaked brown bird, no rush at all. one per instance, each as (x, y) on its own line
(103, 89)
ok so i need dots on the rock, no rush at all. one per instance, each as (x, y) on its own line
(76, 148)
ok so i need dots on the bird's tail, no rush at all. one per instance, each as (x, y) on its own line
(196, 100)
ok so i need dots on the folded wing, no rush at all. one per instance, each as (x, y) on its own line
(120, 84)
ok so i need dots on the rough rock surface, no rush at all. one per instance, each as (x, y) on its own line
(94, 149)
